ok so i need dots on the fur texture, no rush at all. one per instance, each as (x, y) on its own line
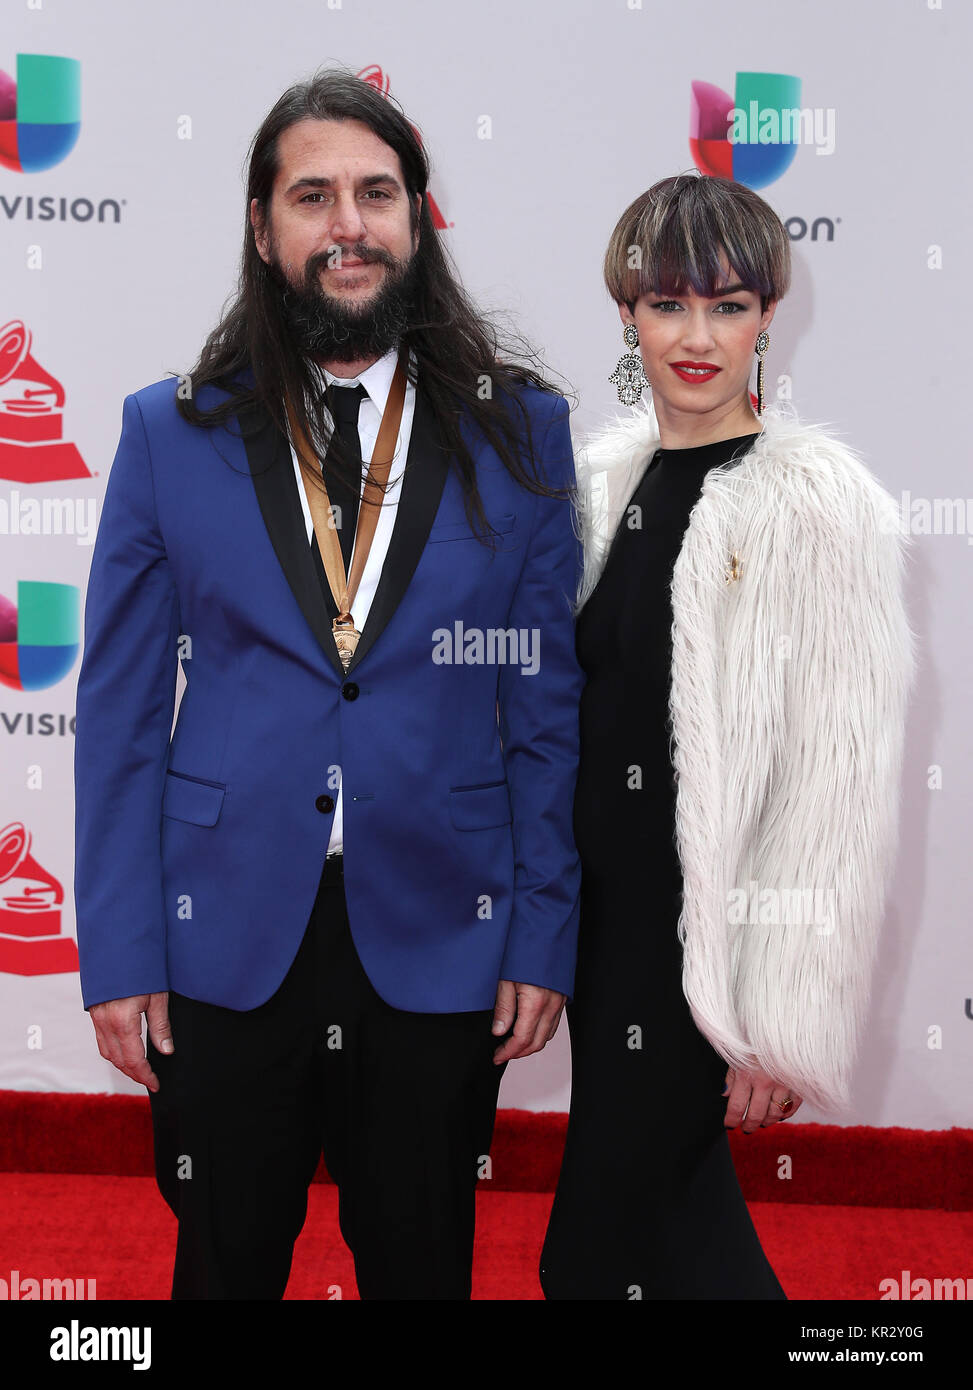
(788, 696)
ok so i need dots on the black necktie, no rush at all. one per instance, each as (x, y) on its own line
(343, 402)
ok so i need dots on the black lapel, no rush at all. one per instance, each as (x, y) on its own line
(272, 470)
(426, 471)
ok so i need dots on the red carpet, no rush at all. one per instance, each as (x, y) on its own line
(77, 1201)
(119, 1232)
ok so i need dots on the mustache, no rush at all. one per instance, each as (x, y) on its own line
(324, 260)
(324, 326)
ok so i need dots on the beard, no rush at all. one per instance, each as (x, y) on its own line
(336, 329)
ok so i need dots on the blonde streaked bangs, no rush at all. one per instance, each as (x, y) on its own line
(681, 234)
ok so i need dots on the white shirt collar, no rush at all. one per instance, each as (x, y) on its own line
(376, 379)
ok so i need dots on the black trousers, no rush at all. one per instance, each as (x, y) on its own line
(401, 1104)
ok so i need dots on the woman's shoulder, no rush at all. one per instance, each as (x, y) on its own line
(814, 453)
(793, 463)
(810, 466)
(618, 443)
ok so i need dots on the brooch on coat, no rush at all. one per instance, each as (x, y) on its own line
(735, 568)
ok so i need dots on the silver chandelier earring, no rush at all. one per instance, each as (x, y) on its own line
(629, 375)
(761, 346)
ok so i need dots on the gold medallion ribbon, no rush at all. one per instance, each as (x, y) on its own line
(344, 586)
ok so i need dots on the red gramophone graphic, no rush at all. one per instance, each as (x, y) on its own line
(378, 79)
(30, 911)
(32, 449)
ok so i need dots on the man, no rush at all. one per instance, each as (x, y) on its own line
(343, 898)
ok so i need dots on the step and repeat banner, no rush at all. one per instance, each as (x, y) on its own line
(123, 134)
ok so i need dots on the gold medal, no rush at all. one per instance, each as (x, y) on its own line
(346, 637)
(344, 586)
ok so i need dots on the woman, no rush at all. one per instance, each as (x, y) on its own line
(748, 657)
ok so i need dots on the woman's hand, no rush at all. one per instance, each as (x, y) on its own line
(753, 1097)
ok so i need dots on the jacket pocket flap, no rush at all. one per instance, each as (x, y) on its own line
(460, 530)
(478, 808)
(183, 798)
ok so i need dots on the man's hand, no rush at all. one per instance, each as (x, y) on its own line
(537, 1012)
(118, 1028)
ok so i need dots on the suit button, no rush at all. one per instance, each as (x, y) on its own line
(350, 690)
(325, 804)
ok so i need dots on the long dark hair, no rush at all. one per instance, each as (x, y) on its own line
(466, 365)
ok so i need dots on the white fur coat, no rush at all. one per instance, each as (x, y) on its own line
(788, 694)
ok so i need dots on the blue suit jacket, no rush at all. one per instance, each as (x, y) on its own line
(198, 860)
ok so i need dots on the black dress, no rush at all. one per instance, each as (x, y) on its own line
(648, 1203)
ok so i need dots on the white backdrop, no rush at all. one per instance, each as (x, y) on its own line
(588, 104)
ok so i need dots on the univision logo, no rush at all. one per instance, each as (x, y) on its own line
(40, 113)
(39, 638)
(752, 136)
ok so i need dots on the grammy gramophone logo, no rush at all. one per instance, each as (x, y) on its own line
(32, 444)
(379, 79)
(31, 935)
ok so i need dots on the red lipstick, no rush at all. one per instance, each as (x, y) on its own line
(695, 372)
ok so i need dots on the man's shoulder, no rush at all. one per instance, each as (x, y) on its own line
(158, 402)
(158, 395)
(526, 403)
(541, 402)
